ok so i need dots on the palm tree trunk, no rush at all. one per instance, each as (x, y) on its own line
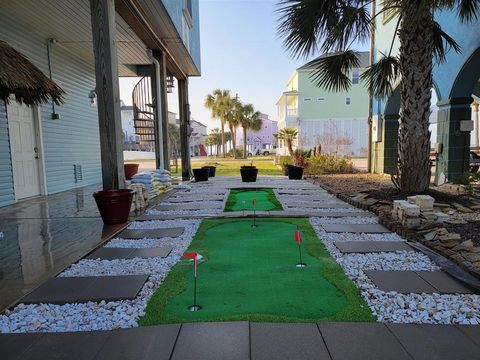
(234, 140)
(223, 138)
(244, 142)
(416, 54)
(289, 146)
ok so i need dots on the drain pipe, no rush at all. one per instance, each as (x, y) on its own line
(370, 98)
(158, 112)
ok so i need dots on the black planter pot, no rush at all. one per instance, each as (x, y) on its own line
(249, 173)
(201, 174)
(295, 172)
(212, 170)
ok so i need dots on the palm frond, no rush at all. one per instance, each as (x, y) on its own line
(332, 71)
(468, 10)
(381, 76)
(443, 43)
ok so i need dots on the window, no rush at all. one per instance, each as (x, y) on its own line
(355, 77)
(348, 100)
(321, 99)
(307, 99)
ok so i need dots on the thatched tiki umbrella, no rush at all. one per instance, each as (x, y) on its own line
(18, 76)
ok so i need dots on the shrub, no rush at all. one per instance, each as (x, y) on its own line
(329, 164)
(239, 153)
(284, 160)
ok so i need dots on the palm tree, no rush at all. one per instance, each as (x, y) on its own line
(232, 116)
(332, 26)
(289, 135)
(219, 103)
(249, 119)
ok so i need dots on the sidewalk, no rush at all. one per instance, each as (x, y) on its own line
(243, 341)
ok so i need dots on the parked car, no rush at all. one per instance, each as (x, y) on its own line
(266, 152)
(474, 162)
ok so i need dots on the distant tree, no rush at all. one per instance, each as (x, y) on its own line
(249, 119)
(289, 135)
(173, 139)
(220, 103)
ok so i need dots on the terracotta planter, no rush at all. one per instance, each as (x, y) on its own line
(212, 170)
(114, 205)
(295, 172)
(201, 174)
(130, 170)
(249, 173)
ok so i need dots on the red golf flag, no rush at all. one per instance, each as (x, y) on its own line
(298, 237)
(193, 256)
(254, 202)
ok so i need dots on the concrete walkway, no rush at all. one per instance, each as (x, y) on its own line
(243, 340)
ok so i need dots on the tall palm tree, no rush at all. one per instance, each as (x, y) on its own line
(232, 116)
(249, 119)
(332, 26)
(289, 135)
(219, 103)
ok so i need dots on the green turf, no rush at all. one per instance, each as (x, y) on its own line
(250, 274)
(241, 199)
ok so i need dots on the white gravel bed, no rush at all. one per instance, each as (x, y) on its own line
(190, 225)
(187, 213)
(313, 211)
(203, 203)
(100, 316)
(391, 306)
(319, 220)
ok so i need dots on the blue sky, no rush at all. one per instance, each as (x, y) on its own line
(241, 52)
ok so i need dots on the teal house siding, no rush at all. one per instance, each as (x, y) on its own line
(6, 179)
(175, 10)
(74, 138)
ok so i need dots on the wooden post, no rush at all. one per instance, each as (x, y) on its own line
(475, 123)
(164, 108)
(184, 128)
(108, 98)
(159, 138)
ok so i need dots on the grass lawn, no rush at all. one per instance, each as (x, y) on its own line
(231, 167)
(250, 274)
(241, 199)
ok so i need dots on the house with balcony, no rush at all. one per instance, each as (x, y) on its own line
(338, 121)
(83, 47)
(261, 141)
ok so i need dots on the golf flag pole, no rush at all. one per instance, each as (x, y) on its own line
(254, 203)
(298, 239)
(193, 256)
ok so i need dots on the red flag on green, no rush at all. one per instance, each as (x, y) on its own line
(298, 237)
(193, 256)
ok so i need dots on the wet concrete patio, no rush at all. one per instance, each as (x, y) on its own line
(40, 237)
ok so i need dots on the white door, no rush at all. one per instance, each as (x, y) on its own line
(24, 150)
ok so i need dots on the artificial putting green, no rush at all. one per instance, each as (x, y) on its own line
(250, 274)
(241, 199)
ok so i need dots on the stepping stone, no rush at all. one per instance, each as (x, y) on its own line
(322, 205)
(444, 283)
(418, 282)
(152, 342)
(151, 233)
(355, 228)
(401, 281)
(355, 341)
(213, 341)
(188, 206)
(67, 345)
(439, 342)
(287, 341)
(371, 246)
(105, 253)
(13, 345)
(64, 290)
